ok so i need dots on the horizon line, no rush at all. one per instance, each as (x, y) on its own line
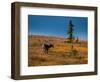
(53, 36)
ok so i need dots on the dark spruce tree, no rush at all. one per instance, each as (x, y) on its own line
(77, 40)
(70, 39)
(70, 32)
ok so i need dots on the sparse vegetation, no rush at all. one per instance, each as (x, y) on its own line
(59, 55)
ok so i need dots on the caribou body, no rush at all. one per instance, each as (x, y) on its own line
(46, 46)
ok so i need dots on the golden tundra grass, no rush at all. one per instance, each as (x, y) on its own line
(59, 55)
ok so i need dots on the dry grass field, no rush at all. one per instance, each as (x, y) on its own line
(59, 55)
